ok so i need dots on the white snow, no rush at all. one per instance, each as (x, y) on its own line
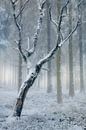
(41, 111)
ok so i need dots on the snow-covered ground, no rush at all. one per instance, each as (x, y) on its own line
(41, 111)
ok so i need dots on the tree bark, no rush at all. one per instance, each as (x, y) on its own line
(80, 49)
(58, 62)
(20, 72)
(49, 80)
(59, 87)
(24, 89)
(71, 82)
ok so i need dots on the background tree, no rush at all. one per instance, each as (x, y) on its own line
(71, 81)
(49, 72)
(80, 33)
(20, 58)
(58, 61)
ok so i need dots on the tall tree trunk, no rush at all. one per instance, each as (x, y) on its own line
(49, 80)
(58, 62)
(59, 87)
(81, 49)
(71, 82)
(20, 58)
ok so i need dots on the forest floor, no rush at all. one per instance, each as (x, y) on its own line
(41, 111)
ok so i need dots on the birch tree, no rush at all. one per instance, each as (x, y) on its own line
(31, 77)
(24, 54)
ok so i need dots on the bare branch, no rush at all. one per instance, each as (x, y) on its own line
(15, 1)
(70, 34)
(80, 3)
(51, 19)
(54, 22)
(19, 31)
(31, 77)
(52, 52)
(61, 15)
(36, 35)
(23, 7)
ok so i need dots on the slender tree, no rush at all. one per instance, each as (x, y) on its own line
(82, 89)
(49, 79)
(34, 74)
(20, 58)
(71, 81)
(58, 62)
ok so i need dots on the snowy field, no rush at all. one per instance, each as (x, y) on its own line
(41, 112)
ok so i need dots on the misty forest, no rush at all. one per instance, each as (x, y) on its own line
(42, 65)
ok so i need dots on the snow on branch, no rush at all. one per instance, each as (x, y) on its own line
(51, 19)
(29, 52)
(55, 23)
(36, 35)
(31, 77)
(19, 31)
(59, 43)
(77, 24)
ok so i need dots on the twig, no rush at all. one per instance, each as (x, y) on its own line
(36, 35)
(23, 7)
(59, 43)
(19, 31)
(78, 23)
(80, 3)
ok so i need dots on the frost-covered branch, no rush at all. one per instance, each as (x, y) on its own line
(22, 8)
(36, 35)
(29, 52)
(59, 43)
(56, 23)
(19, 31)
(31, 77)
(77, 24)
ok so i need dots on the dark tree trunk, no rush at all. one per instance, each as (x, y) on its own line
(24, 89)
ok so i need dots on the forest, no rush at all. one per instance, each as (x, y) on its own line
(42, 65)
